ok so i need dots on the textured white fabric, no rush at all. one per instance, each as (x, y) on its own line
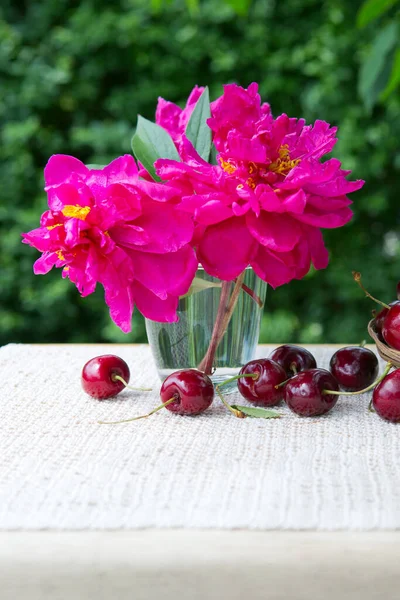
(60, 469)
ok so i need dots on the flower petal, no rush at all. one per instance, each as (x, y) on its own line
(165, 274)
(226, 248)
(152, 307)
(277, 232)
(61, 167)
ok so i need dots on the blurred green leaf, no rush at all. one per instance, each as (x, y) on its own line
(375, 70)
(372, 9)
(241, 7)
(151, 142)
(394, 79)
(197, 130)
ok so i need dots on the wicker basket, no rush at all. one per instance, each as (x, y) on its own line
(386, 352)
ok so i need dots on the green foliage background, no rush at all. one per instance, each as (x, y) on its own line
(74, 76)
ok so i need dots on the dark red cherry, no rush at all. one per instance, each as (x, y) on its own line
(354, 367)
(262, 390)
(193, 390)
(293, 359)
(304, 393)
(98, 376)
(391, 326)
(386, 397)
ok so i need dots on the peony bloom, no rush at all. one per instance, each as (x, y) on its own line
(270, 195)
(108, 226)
(175, 119)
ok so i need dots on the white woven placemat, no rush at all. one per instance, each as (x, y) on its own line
(60, 469)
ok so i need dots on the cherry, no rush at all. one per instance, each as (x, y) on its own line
(105, 376)
(378, 321)
(190, 390)
(307, 394)
(391, 320)
(293, 359)
(391, 326)
(354, 367)
(262, 389)
(386, 397)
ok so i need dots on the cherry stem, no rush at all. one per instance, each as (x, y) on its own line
(293, 368)
(282, 383)
(236, 377)
(370, 407)
(170, 401)
(357, 279)
(367, 389)
(237, 413)
(362, 345)
(115, 377)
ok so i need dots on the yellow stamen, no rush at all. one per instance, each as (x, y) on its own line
(66, 269)
(77, 212)
(240, 186)
(60, 255)
(227, 166)
(50, 227)
(283, 164)
(252, 168)
(251, 183)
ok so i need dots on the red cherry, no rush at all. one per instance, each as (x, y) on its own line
(262, 390)
(293, 359)
(386, 397)
(391, 326)
(304, 393)
(98, 376)
(193, 390)
(354, 367)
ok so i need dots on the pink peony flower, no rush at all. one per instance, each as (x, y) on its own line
(173, 118)
(266, 201)
(108, 226)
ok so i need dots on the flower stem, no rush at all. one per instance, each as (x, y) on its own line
(232, 304)
(367, 389)
(115, 377)
(170, 401)
(207, 362)
(357, 279)
(250, 292)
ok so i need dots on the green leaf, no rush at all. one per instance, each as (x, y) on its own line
(156, 5)
(151, 142)
(257, 413)
(193, 6)
(213, 155)
(95, 166)
(394, 79)
(372, 9)
(199, 285)
(241, 7)
(374, 71)
(197, 130)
